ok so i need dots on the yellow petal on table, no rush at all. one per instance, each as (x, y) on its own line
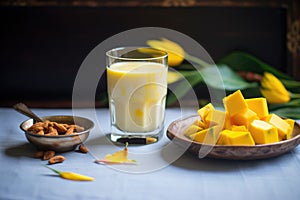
(119, 157)
(175, 51)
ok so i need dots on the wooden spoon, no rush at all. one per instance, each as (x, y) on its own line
(23, 109)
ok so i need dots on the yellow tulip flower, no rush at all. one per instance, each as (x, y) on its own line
(273, 90)
(175, 51)
(173, 77)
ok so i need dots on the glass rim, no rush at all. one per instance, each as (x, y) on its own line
(108, 54)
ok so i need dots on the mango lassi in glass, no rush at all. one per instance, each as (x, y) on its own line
(137, 89)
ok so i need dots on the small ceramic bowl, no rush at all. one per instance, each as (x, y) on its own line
(59, 143)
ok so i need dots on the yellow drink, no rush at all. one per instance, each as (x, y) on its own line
(137, 93)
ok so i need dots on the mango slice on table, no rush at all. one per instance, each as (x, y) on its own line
(235, 103)
(263, 132)
(259, 106)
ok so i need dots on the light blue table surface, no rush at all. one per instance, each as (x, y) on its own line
(162, 170)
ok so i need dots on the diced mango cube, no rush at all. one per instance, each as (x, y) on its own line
(223, 139)
(192, 129)
(284, 129)
(199, 136)
(242, 138)
(292, 124)
(239, 128)
(228, 122)
(259, 106)
(202, 112)
(263, 132)
(215, 117)
(212, 135)
(244, 122)
(207, 136)
(235, 103)
(244, 118)
(200, 124)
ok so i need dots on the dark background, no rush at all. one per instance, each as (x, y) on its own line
(43, 47)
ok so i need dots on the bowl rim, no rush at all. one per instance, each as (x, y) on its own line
(58, 136)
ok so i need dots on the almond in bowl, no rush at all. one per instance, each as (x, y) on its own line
(57, 133)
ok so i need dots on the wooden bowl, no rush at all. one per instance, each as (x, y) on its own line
(175, 132)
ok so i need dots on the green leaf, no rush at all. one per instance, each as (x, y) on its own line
(292, 103)
(221, 77)
(291, 85)
(54, 170)
(241, 61)
(289, 110)
(182, 87)
(227, 80)
(293, 113)
(184, 66)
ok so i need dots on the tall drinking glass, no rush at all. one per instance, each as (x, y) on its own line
(137, 89)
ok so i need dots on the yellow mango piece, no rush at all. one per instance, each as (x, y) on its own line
(235, 103)
(202, 112)
(207, 136)
(199, 136)
(284, 129)
(223, 139)
(200, 124)
(212, 135)
(259, 106)
(192, 129)
(292, 124)
(241, 138)
(239, 128)
(244, 118)
(228, 122)
(215, 117)
(263, 132)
